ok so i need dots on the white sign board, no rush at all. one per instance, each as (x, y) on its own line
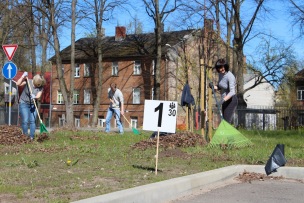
(160, 116)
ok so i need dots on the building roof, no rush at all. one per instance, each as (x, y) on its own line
(299, 75)
(134, 45)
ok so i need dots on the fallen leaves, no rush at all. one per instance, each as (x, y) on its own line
(173, 141)
(12, 135)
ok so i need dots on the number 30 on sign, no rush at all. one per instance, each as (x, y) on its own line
(160, 116)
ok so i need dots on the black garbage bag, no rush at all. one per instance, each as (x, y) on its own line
(154, 134)
(276, 160)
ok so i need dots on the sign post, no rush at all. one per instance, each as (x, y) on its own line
(160, 115)
(9, 71)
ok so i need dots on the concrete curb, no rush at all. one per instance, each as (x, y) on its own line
(178, 187)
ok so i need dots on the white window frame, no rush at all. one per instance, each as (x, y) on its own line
(152, 93)
(300, 93)
(86, 70)
(136, 95)
(153, 67)
(60, 99)
(134, 122)
(115, 68)
(77, 122)
(61, 122)
(102, 122)
(77, 71)
(76, 97)
(137, 68)
(87, 96)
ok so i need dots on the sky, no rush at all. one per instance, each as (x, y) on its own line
(278, 24)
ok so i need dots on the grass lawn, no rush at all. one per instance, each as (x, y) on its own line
(74, 165)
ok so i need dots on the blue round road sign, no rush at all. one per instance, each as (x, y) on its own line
(9, 70)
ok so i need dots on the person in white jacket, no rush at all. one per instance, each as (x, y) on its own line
(116, 108)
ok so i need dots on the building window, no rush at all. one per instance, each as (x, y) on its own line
(87, 116)
(101, 122)
(300, 93)
(59, 98)
(152, 93)
(76, 97)
(77, 122)
(137, 68)
(134, 122)
(77, 70)
(136, 95)
(87, 97)
(86, 70)
(115, 68)
(62, 120)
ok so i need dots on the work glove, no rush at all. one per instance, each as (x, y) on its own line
(33, 96)
(24, 75)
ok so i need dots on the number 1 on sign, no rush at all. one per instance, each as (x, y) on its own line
(160, 114)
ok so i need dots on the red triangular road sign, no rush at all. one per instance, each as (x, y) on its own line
(10, 50)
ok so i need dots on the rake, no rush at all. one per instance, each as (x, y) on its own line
(226, 134)
(135, 131)
(42, 126)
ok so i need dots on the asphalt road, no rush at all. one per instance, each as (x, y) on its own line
(278, 191)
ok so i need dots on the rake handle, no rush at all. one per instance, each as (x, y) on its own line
(126, 119)
(218, 106)
(28, 84)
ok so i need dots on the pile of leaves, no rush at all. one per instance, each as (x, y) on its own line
(250, 176)
(12, 135)
(173, 141)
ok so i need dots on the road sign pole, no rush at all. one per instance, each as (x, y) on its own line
(9, 71)
(10, 103)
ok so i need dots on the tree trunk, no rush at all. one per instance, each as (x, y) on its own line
(158, 32)
(69, 105)
(98, 19)
(32, 40)
(59, 67)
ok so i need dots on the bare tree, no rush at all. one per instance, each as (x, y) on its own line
(53, 11)
(5, 15)
(135, 26)
(70, 105)
(271, 63)
(14, 30)
(102, 11)
(43, 28)
(159, 15)
(297, 14)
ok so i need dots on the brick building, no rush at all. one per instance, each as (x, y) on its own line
(128, 60)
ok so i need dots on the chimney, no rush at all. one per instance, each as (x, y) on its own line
(120, 33)
(208, 24)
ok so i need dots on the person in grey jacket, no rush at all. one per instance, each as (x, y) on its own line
(27, 108)
(227, 87)
(116, 107)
